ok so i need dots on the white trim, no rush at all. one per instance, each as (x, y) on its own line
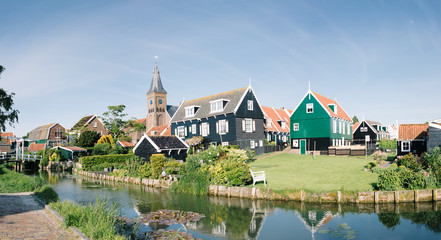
(402, 150)
(249, 88)
(298, 105)
(149, 139)
(171, 119)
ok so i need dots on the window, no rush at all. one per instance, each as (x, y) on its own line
(189, 111)
(349, 128)
(250, 105)
(248, 125)
(193, 128)
(344, 128)
(224, 143)
(309, 107)
(181, 131)
(295, 126)
(94, 124)
(205, 129)
(405, 146)
(363, 129)
(283, 124)
(222, 126)
(218, 105)
(252, 146)
(269, 121)
(261, 142)
(334, 126)
(339, 127)
(295, 143)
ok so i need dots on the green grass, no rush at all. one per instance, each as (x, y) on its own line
(13, 182)
(291, 172)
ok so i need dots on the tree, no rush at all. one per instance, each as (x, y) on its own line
(88, 139)
(7, 114)
(113, 119)
(355, 119)
(135, 126)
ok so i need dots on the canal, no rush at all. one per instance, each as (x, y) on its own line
(234, 218)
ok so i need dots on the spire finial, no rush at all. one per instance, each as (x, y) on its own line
(309, 85)
(156, 59)
(249, 83)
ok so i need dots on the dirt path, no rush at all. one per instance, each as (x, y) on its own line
(21, 217)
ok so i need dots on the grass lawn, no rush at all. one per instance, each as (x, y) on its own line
(287, 171)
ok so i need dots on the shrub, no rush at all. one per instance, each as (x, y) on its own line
(379, 157)
(230, 172)
(119, 173)
(377, 170)
(87, 139)
(194, 179)
(172, 166)
(106, 139)
(237, 155)
(388, 144)
(157, 161)
(101, 149)
(411, 180)
(371, 165)
(44, 161)
(432, 160)
(100, 167)
(145, 170)
(389, 180)
(47, 194)
(88, 162)
(409, 161)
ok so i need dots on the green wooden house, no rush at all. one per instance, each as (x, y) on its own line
(318, 123)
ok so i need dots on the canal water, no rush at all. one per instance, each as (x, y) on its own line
(234, 218)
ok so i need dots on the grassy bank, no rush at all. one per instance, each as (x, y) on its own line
(288, 171)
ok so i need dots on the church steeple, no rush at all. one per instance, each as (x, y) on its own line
(156, 85)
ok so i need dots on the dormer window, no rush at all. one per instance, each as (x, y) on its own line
(191, 111)
(333, 107)
(218, 105)
(269, 121)
(283, 124)
(309, 107)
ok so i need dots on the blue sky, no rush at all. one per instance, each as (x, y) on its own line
(68, 59)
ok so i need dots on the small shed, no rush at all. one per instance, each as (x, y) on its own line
(170, 146)
(70, 152)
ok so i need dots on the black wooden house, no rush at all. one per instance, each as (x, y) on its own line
(230, 118)
(170, 146)
(369, 132)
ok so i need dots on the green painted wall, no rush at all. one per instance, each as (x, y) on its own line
(311, 125)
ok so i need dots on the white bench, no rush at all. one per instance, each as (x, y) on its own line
(258, 176)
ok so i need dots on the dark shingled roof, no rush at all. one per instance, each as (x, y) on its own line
(171, 109)
(233, 97)
(168, 142)
(156, 85)
(82, 121)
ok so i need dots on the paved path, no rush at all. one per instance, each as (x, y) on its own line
(21, 217)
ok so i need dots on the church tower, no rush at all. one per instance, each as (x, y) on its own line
(156, 101)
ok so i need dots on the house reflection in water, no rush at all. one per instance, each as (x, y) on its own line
(314, 220)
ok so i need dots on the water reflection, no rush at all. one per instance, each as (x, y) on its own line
(234, 218)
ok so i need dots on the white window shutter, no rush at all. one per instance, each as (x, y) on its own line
(243, 125)
(200, 129)
(176, 132)
(217, 127)
(208, 129)
(226, 126)
(254, 126)
(185, 131)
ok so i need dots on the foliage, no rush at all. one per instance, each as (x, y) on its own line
(157, 161)
(13, 182)
(101, 149)
(194, 142)
(377, 170)
(389, 180)
(89, 161)
(409, 161)
(120, 173)
(355, 119)
(106, 139)
(400, 178)
(7, 113)
(388, 144)
(47, 194)
(55, 156)
(194, 180)
(432, 160)
(113, 119)
(230, 172)
(379, 157)
(171, 166)
(371, 165)
(44, 161)
(389, 220)
(97, 220)
(411, 180)
(87, 139)
(145, 170)
(135, 126)
(100, 167)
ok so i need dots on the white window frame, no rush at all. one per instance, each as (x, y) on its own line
(295, 126)
(310, 108)
(250, 104)
(248, 125)
(95, 124)
(269, 122)
(193, 128)
(344, 128)
(261, 143)
(339, 127)
(408, 146)
(283, 124)
(295, 143)
(334, 126)
(189, 111)
(223, 126)
(181, 131)
(252, 144)
(363, 129)
(205, 131)
(217, 106)
(225, 143)
(349, 129)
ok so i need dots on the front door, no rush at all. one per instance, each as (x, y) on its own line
(302, 146)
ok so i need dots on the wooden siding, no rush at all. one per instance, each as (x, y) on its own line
(416, 147)
(359, 137)
(243, 112)
(434, 138)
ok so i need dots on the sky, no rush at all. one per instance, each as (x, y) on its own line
(65, 60)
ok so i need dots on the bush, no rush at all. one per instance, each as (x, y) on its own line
(377, 170)
(371, 165)
(237, 155)
(101, 149)
(87, 139)
(44, 161)
(389, 180)
(157, 162)
(145, 170)
(88, 162)
(379, 157)
(230, 172)
(388, 144)
(194, 179)
(172, 166)
(432, 160)
(412, 180)
(100, 167)
(47, 194)
(409, 161)
(106, 139)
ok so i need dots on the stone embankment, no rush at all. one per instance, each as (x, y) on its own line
(427, 195)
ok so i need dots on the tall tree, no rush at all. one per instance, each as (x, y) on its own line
(355, 119)
(7, 113)
(113, 120)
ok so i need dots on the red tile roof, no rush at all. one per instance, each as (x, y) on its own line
(126, 144)
(3, 136)
(276, 115)
(141, 120)
(35, 147)
(325, 101)
(412, 131)
(74, 148)
(164, 130)
(355, 126)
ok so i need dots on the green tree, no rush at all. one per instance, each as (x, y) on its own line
(355, 119)
(113, 120)
(135, 126)
(7, 113)
(88, 139)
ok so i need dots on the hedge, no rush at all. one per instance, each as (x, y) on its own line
(88, 162)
